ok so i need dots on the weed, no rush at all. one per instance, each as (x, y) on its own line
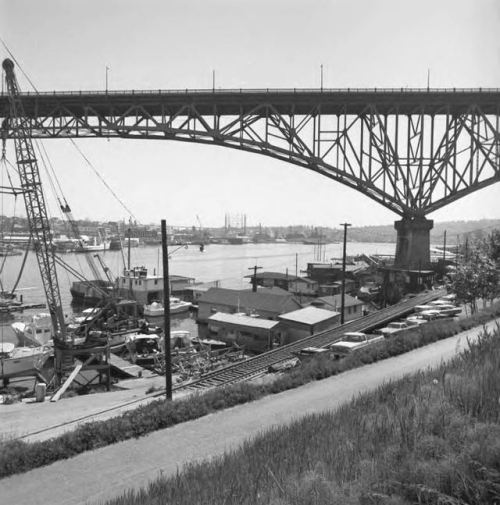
(455, 398)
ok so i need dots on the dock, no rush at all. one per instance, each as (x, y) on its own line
(8, 308)
(127, 368)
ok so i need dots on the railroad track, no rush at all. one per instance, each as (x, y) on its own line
(258, 365)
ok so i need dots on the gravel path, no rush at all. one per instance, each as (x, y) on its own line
(105, 473)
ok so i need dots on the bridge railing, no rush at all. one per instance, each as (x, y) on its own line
(249, 91)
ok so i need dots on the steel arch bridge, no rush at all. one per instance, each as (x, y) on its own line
(411, 150)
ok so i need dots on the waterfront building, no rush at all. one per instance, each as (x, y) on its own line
(266, 303)
(307, 321)
(354, 308)
(292, 283)
(252, 333)
(145, 288)
(328, 273)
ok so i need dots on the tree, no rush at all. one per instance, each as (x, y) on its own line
(493, 243)
(475, 279)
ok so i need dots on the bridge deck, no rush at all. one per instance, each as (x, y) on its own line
(237, 101)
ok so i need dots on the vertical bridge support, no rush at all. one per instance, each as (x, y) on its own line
(413, 243)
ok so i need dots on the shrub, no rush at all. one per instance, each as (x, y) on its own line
(406, 442)
(16, 456)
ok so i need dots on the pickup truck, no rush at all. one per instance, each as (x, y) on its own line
(416, 320)
(393, 328)
(353, 341)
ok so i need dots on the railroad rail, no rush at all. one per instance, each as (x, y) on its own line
(258, 365)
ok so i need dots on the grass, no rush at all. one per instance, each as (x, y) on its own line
(18, 456)
(432, 438)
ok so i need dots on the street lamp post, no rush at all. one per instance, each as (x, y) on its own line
(166, 306)
(345, 225)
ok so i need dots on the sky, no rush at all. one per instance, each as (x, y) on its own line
(153, 44)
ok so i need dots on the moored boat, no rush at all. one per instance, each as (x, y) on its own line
(90, 292)
(143, 349)
(21, 361)
(36, 332)
(157, 309)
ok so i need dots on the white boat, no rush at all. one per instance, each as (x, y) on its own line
(21, 361)
(86, 246)
(143, 349)
(156, 309)
(36, 332)
(87, 315)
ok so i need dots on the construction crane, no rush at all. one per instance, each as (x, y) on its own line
(105, 269)
(34, 201)
(202, 245)
(66, 209)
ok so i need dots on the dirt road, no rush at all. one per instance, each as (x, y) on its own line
(108, 472)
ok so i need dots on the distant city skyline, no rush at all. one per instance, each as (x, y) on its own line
(120, 44)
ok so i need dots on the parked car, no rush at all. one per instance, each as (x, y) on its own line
(309, 352)
(353, 341)
(393, 328)
(283, 365)
(416, 320)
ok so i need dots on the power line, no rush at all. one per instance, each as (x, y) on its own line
(89, 163)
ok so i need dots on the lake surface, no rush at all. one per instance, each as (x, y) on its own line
(227, 263)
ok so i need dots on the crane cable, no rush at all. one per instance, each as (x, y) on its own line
(72, 141)
(48, 167)
(5, 163)
(102, 179)
(18, 64)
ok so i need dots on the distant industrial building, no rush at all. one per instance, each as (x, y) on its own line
(291, 283)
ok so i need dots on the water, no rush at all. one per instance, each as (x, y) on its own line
(227, 263)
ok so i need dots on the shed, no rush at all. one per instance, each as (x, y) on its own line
(307, 321)
(252, 333)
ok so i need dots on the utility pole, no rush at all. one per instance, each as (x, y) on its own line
(107, 70)
(444, 248)
(128, 265)
(166, 305)
(321, 76)
(345, 225)
(254, 277)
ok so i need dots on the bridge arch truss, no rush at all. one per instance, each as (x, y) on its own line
(413, 151)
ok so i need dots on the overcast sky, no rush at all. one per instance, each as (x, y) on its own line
(66, 45)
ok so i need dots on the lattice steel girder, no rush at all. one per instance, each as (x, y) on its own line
(412, 151)
(36, 210)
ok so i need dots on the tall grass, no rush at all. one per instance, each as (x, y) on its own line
(18, 456)
(433, 438)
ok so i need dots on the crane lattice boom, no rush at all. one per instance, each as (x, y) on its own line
(34, 201)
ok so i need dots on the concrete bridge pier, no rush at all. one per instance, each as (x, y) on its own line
(413, 243)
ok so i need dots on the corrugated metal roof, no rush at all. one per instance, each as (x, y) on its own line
(309, 315)
(253, 322)
(271, 300)
(335, 301)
